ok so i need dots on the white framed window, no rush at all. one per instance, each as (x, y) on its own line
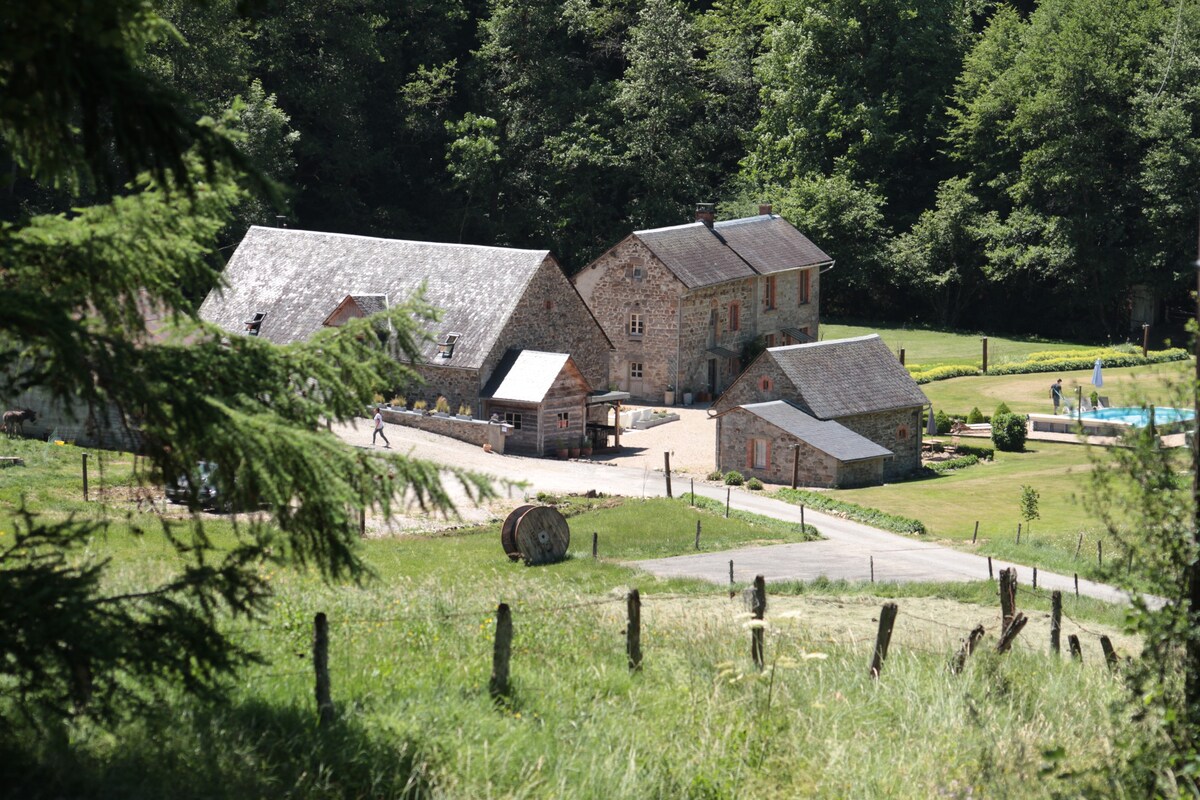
(564, 419)
(635, 369)
(637, 324)
(513, 419)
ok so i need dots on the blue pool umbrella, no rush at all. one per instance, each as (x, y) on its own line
(1097, 378)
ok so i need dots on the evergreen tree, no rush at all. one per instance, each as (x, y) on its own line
(78, 111)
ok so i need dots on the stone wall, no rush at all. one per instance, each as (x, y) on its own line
(553, 318)
(898, 431)
(704, 323)
(612, 288)
(458, 386)
(788, 311)
(474, 431)
(748, 389)
(737, 429)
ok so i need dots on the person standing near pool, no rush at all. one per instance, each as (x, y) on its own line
(1056, 394)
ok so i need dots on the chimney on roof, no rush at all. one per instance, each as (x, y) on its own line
(764, 209)
(706, 213)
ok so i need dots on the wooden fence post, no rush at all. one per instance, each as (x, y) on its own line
(362, 522)
(991, 575)
(975, 535)
(1008, 597)
(633, 632)
(968, 647)
(1035, 577)
(1100, 554)
(1078, 544)
(1077, 584)
(1055, 622)
(795, 465)
(727, 491)
(872, 569)
(595, 543)
(1076, 650)
(692, 499)
(501, 652)
(985, 364)
(667, 469)
(1018, 533)
(321, 667)
(697, 534)
(887, 619)
(759, 610)
(802, 518)
(1010, 633)
(1110, 655)
(85, 486)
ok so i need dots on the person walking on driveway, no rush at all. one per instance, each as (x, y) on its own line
(379, 430)
(1056, 394)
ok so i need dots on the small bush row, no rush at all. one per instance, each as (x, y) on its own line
(953, 463)
(1054, 361)
(870, 516)
(979, 451)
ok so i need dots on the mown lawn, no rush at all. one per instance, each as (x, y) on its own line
(930, 348)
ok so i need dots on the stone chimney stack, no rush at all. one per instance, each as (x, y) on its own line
(706, 213)
(764, 209)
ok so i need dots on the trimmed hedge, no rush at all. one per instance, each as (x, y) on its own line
(953, 463)
(870, 516)
(979, 451)
(1055, 361)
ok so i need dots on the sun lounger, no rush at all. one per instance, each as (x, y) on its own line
(1085, 404)
(1102, 402)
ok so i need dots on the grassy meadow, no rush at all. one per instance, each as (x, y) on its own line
(931, 348)
(410, 658)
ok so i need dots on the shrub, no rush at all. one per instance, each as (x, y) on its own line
(1001, 409)
(870, 516)
(716, 475)
(953, 463)
(754, 483)
(399, 401)
(975, 417)
(734, 478)
(979, 451)
(1008, 432)
(442, 405)
(942, 421)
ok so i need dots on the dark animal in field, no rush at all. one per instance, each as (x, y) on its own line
(14, 421)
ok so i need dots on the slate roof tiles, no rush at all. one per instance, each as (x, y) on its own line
(825, 435)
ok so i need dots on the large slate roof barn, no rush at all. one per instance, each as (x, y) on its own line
(287, 284)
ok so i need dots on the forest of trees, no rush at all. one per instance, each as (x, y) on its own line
(972, 164)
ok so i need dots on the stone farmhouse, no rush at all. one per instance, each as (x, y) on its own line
(495, 303)
(840, 413)
(681, 303)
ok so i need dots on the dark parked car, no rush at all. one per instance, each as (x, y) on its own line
(206, 494)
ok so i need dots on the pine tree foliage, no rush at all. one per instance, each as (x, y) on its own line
(98, 309)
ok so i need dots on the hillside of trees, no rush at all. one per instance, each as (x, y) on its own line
(967, 163)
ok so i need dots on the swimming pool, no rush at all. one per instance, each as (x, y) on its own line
(1139, 416)
(1114, 421)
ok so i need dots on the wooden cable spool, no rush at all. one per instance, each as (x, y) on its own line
(508, 532)
(538, 534)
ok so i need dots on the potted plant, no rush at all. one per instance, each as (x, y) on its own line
(575, 450)
(563, 451)
(687, 395)
(464, 411)
(669, 396)
(420, 406)
(585, 447)
(399, 402)
(442, 406)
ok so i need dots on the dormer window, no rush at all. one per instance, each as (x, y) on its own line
(255, 323)
(445, 347)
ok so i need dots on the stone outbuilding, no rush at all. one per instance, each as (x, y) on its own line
(770, 440)
(285, 285)
(681, 303)
(858, 384)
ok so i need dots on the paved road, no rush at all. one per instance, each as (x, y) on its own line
(845, 553)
